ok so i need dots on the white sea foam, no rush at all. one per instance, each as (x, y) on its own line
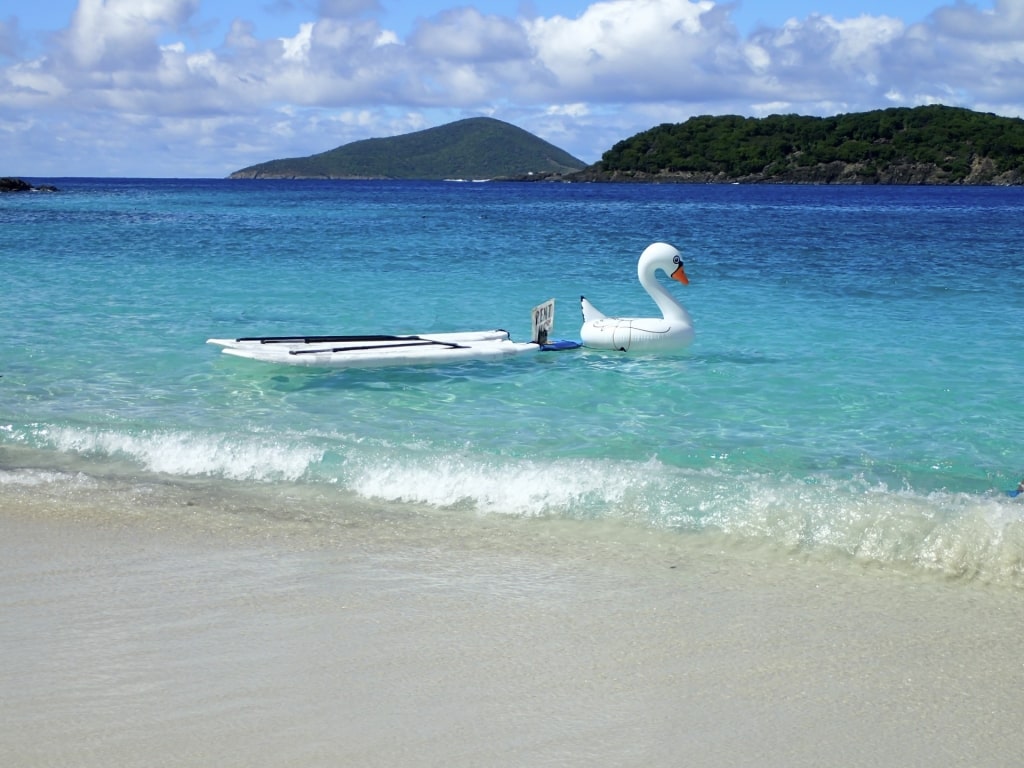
(524, 487)
(959, 535)
(38, 477)
(966, 536)
(249, 457)
(956, 534)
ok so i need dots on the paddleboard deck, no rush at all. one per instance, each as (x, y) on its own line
(384, 350)
(378, 350)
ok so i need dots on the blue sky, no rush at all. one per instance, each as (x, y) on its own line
(199, 88)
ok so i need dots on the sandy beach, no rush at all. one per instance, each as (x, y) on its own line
(168, 633)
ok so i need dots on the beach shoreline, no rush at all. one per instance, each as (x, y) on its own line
(168, 631)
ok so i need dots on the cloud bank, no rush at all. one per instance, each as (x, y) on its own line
(124, 89)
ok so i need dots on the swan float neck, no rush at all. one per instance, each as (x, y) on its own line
(651, 260)
(671, 332)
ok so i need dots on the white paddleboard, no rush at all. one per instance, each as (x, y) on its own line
(382, 350)
(376, 351)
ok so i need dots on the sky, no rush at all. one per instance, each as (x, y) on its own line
(201, 88)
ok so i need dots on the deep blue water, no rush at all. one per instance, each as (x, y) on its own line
(854, 390)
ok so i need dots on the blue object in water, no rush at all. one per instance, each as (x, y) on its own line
(559, 344)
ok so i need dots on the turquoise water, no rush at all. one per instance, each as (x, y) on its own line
(853, 393)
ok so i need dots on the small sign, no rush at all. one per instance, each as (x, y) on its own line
(543, 321)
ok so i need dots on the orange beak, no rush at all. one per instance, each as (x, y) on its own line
(680, 275)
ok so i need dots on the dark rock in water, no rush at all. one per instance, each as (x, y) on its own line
(11, 184)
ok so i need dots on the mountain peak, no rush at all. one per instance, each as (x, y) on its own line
(474, 148)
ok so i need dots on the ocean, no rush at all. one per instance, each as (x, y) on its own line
(849, 414)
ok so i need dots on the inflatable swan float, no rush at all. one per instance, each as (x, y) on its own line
(671, 332)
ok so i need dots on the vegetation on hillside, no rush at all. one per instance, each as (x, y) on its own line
(476, 148)
(933, 144)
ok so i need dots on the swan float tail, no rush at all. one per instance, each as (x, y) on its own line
(590, 312)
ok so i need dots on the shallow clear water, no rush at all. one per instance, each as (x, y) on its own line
(853, 390)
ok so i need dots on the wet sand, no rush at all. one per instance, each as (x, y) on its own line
(156, 640)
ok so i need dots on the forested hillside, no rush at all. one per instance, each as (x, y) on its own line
(475, 148)
(922, 145)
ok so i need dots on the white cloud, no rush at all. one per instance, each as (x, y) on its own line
(862, 38)
(297, 48)
(466, 35)
(627, 49)
(111, 34)
(125, 87)
(570, 110)
(965, 20)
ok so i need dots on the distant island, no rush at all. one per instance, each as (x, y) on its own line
(921, 145)
(473, 149)
(901, 145)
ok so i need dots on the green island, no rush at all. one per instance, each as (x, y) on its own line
(475, 148)
(901, 145)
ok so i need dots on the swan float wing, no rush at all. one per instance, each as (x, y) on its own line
(590, 312)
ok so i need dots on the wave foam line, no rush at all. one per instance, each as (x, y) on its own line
(965, 536)
(43, 477)
(189, 454)
(523, 488)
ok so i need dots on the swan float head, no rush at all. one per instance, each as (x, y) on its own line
(672, 332)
